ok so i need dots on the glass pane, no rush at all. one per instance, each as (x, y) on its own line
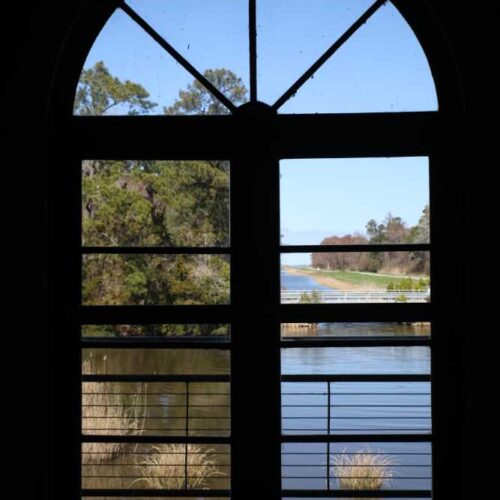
(146, 331)
(355, 277)
(155, 279)
(155, 362)
(292, 34)
(354, 466)
(354, 201)
(156, 408)
(127, 72)
(355, 330)
(212, 35)
(356, 360)
(324, 407)
(155, 466)
(155, 203)
(381, 68)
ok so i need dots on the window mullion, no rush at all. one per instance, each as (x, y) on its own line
(255, 370)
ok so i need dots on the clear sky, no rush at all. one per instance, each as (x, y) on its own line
(381, 68)
(335, 197)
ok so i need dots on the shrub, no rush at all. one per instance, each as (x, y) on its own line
(363, 470)
(165, 467)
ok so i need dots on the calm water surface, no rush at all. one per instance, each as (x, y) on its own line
(355, 407)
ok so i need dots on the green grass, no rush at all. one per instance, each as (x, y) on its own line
(357, 278)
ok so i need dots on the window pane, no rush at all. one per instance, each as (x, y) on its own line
(148, 78)
(155, 362)
(292, 34)
(156, 408)
(325, 407)
(370, 466)
(155, 279)
(355, 277)
(155, 203)
(210, 34)
(127, 72)
(355, 201)
(355, 360)
(355, 330)
(381, 68)
(147, 331)
(155, 466)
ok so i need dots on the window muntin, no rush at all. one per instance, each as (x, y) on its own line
(290, 313)
(287, 37)
(355, 201)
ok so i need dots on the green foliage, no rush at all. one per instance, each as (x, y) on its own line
(98, 91)
(197, 100)
(154, 203)
(409, 284)
(155, 279)
(312, 297)
(401, 298)
(155, 330)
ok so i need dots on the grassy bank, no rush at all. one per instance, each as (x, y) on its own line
(348, 280)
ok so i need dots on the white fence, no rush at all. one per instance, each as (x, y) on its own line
(361, 296)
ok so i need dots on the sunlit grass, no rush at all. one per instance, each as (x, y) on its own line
(363, 470)
(167, 465)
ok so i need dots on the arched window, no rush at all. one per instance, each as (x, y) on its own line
(244, 218)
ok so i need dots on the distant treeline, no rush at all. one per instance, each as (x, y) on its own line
(393, 230)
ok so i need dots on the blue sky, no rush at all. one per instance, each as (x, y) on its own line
(335, 197)
(381, 68)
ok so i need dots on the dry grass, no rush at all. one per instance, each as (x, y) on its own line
(165, 467)
(104, 414)
(364, 470)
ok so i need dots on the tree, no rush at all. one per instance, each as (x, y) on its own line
(421, 234)
(153, 203)
(98, 91)
(197, 100)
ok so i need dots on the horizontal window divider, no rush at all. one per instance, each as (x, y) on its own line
(141, 439)
(152, 315)
(358, 313)
(156, 342)
(357, 378)
(356, 438)
(157, 250)
(190, 493)
(414, 247)
(331, 493)
(295, 135)
(155, 378)
(355, 342)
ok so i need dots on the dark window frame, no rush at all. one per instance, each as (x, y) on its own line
(256, 134)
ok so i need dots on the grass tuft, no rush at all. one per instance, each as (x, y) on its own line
(364, 470)
(165, 467)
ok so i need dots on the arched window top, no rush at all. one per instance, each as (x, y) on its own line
(298, 56)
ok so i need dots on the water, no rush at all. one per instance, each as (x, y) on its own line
(299, 282)
(355, 408)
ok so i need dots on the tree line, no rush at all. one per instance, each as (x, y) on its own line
(392, 230)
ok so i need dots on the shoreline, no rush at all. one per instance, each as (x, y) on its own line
(330, 282)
